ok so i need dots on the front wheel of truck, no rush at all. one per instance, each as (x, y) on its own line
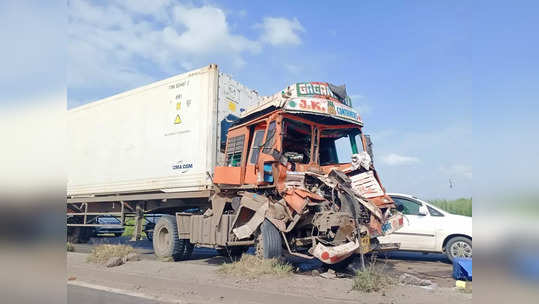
(167, 244)
(269, 244)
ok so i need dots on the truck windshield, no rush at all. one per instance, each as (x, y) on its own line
(297, 141)
(336, 147)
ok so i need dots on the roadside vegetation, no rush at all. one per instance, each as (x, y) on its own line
(102, 253)
(129, 228)
(251, 266)
(372, 279)
(461, 206)
(69, 247)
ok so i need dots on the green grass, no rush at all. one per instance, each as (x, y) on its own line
(129, 227)
(461, 206)
(372, 279)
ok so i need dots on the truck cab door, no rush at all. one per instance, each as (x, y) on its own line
(232, 173)
(254, 153)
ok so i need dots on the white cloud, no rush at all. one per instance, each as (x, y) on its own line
(393, 159)
(281, 31)
(121, 44)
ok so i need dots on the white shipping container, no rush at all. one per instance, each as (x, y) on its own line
(164, 136)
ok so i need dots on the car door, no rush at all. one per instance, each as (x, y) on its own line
(419, 230)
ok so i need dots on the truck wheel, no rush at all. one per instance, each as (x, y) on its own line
(79, 235)
(166, 242)
(269, 243)
(458, 247)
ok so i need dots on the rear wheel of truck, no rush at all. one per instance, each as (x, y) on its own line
(78, 235)
(269, 243)
(167, 244)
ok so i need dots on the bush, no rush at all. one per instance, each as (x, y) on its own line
(69, 247)
(372, 279)
(251, 266)
(102, 253)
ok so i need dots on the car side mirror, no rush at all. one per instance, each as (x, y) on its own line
(423, 210)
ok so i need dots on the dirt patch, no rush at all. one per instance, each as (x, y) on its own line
(201, 283)
(104, 253)
(251, 266)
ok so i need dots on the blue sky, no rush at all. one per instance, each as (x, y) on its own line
(416, 71)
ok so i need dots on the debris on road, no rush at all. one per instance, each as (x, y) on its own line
(112, 255)
(114, 261)
(408, 279)
(462, 269)
(131, 257)
(463, 284)
(330, 274)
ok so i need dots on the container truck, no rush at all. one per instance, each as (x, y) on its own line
(229, 169)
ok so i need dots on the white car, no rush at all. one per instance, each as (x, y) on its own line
(429, 229)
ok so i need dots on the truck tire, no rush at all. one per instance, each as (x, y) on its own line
(458, 247)
(80, 235)
(166, 242)
(269, 244)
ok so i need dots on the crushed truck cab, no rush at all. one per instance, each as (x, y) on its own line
(281, 165)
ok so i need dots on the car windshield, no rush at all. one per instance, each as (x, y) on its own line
(336, 146)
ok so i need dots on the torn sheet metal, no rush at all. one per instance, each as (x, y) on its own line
(253, 201)
(250, 227)
(294, 179)
(335, 254)
(366, 185)
(297, 198)
(393, 224)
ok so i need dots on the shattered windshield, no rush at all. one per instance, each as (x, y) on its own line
(336, 146)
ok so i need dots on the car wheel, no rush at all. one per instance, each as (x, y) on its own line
(458, 247)
(269, 244)
(167, 244)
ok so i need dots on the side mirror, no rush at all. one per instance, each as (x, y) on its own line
(423, 211)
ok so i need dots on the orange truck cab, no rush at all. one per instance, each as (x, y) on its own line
(286, 148)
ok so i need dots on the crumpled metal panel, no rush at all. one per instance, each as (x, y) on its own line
(335, 254)
(366, 185)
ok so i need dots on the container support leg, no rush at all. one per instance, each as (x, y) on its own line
(139, 218)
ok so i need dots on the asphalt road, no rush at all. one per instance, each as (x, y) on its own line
(83, 295)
